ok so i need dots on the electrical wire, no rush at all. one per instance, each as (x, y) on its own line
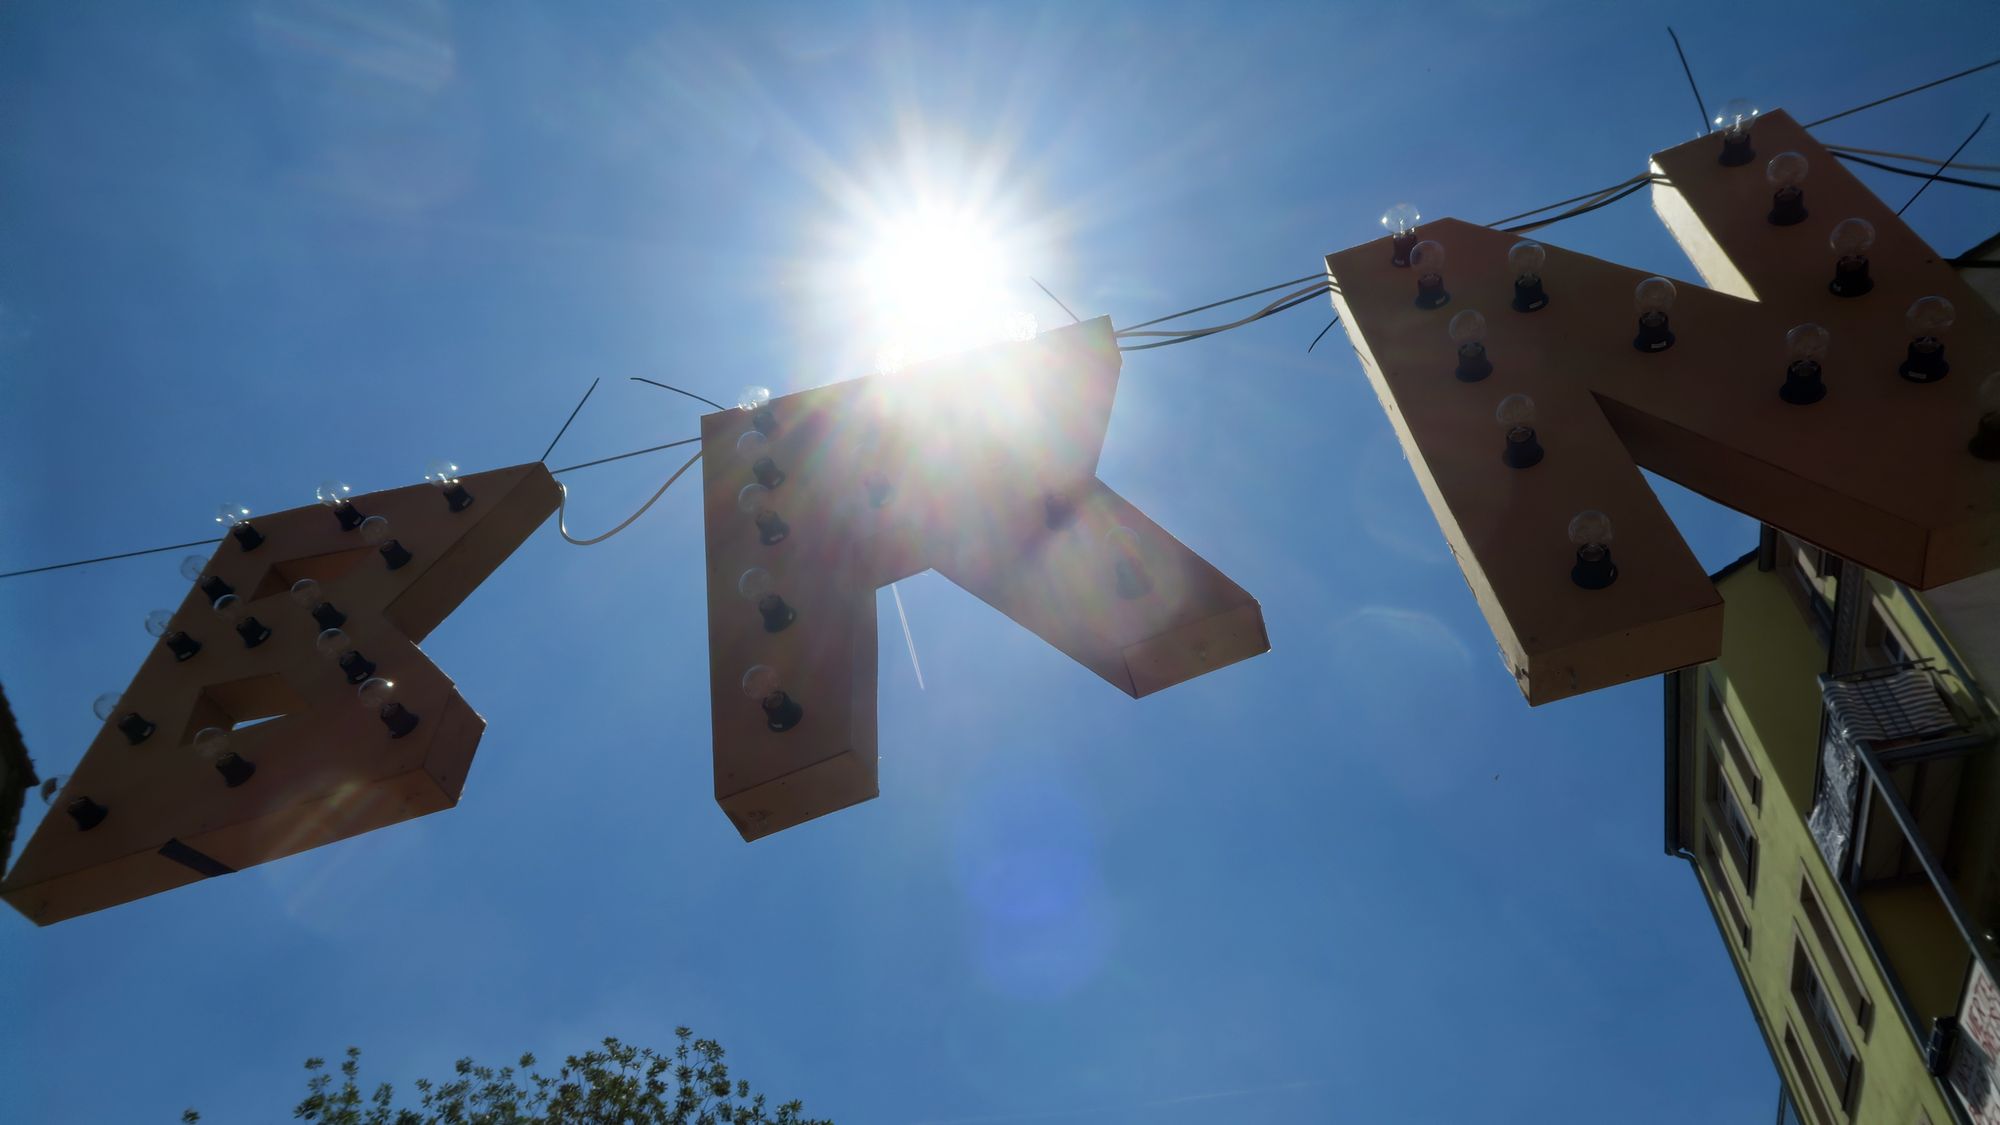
(1073, 318)
(1599, 193)
(1927, 161)
(1224, 301)
(1982, 184)
(567, 421)
(1309, 291)
(622, 456)
(1689, 71)
(1939, 171)
(562, 507)
(1573, 212)
(678, 391)
(1322, 333)
(1259, 315)
(1904, 93)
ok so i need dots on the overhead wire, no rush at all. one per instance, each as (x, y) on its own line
(1224, 301)
(567, 421)
(1689, 71)
(562, 507)
(1921, 188)
(1904, 93)
(1294, 301)
(678, 391)
(1927, 161)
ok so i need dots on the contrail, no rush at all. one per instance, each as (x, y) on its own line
(907, 639)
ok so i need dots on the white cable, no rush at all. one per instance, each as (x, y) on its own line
(1930, 161)
(563, 504)
(1263, 312)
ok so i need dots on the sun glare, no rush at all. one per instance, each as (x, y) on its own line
(937, 281)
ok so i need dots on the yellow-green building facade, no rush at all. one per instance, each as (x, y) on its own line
(1833, 783)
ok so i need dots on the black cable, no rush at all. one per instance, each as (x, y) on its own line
(1322, 333)
(1073, 318)
(1224, 301)
(1903, 94)
(678, 391)
(1585, 210)
(1293, 303)
(608, 460)
(1919, 175)
(1685, 69)
(1564, 202)
(109, 558)
(1932, 178)
(567, 421)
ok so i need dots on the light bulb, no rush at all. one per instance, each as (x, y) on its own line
(753, 499)
(231, 515)
(1787, 169)
(193, 567)
(231, 608)
(159, 622)
(753, 398)
(441, 473)
(1526, 259)
(305, 593)
(1735, 116)
(751, 445)
(1929, 316)
(1807, 343)
(1127, 566)
(1590, 528)
(104, 706)
(1852, 238)
(333, 644)
(375, 529)
(332, 493)
(1515, 412)
(1468, 327)
(754, 584)
(377, 692)
(1653, 295)
(760, 682)
(1400, 218)
(211, 743)
(1123, 540)
(51, 786)
(1427, 257)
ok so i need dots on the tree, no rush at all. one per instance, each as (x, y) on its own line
(618, 1085)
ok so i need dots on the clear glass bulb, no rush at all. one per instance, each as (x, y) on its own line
(332, 493)
(1468, 327)
(104, 706)
(1930, 316)
(375, 529)
(1400, 218)
(211, 743)
(333, 644)
(229, 515)
(1428, 257)
(1807, 342)
(160, 622)
(231, 608)
(1590, 528)
(440, 472)
(51, 786)
(193, 568)
(753, 498)
(1735, 115)
(377, 692)
(755, 583)
(760, 681)
(1654, 295)
(753, 397)
(305, 593)
(1122, 539)
(1851, 238)
(1515, 412)
(1527, 258)
(751, 445)
(1787, 169)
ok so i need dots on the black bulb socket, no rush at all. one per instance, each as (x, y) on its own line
(394, 554)
(1529, 295)
(328, 617)
(1985, 443)
(1925, 361)
(181, 645)
(1594, 569)
(399, 719)
(1058, 512)
(1850, 277)
(1472, 363)
(356, 667)
(349, 517)
(766, 472)
(771, 530)
(87, 813)
(1431, 293)
(777, 614)
(782, 712)
(880, 491)
(1736, 150)
(1400, 246)
(1788, 206)
(1654, 335)
(135, 728)
(214, 588)
(1133, 581)
(253, 632)
(456, 497)
(234, 768)
(1803, 385)
(763, 421)
(1524, 450)
(247, 537)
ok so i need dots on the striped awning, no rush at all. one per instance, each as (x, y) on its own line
(1890, 706)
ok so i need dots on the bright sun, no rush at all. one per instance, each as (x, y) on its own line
(938, 280)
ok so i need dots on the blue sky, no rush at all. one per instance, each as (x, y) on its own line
(246, 246)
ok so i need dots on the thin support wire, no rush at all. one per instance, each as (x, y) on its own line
(1927, 161)
(1689, 71)
(1598, 194)
(1904, 93)
(1073, 318)
(1272, 311)
(1322, 333)
(1309, 291)
(562, 507)
(567, 421)
(678, 391)
(1573, 212)
(1224, 301)
(108, 558)
(1947, 163)
(1933, 176)
(622, 456)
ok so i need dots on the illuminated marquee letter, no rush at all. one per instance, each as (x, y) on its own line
(148, 809)
(1876, 470)
(982, 466)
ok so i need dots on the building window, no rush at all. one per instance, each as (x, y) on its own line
(1804, 1083)
(1839, 968)
(1812, 577)
(1882, 646)
(1827, 1032)
(1722, 730)
(1728, 813)
(1733, 912)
